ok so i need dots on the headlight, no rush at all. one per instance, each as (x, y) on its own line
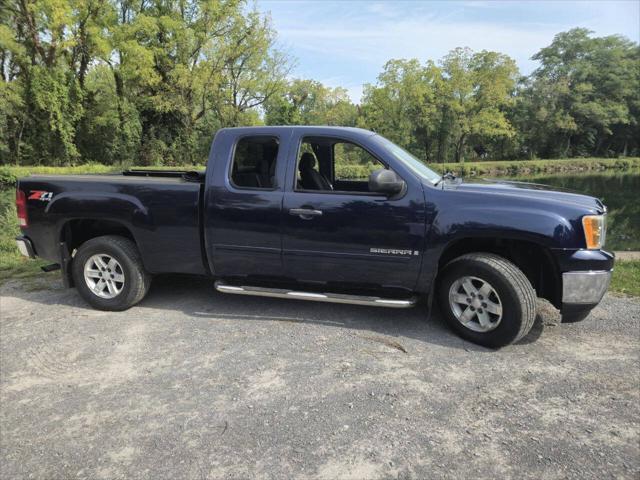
(595, 229)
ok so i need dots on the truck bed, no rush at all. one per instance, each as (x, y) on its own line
(161, 211)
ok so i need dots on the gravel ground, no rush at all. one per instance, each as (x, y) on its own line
(196, 384)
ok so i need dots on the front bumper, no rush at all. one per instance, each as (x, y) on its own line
(584, 287)
(581, 292)
(25, 246)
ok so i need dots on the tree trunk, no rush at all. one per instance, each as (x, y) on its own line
(567, 148)
(442, 136)
(19, 140)
(459, 147)
(120, 96)
(598, 146)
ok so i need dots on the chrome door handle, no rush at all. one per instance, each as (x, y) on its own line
(305, 213)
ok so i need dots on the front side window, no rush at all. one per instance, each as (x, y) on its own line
(332, 164)
(254, 163)
(353, 163)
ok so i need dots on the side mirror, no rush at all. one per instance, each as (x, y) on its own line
(386, 181)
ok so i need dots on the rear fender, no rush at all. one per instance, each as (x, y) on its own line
(119, 207)
(122, 209)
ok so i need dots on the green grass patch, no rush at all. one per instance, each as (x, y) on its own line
(626, 277)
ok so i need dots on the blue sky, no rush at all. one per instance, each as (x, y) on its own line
(346, 43)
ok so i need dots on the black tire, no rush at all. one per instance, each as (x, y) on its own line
(136, 279)
(514, 290)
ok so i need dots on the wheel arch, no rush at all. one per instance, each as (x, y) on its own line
(535, 261)
(75, 232)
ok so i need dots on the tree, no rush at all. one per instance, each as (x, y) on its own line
(185, 62)
(477, 90)
(585, 90)
(307, 102)
(252, 69)
(122, 81)
(402, 105)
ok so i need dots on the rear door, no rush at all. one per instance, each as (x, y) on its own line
(243, 203)
(347, 236)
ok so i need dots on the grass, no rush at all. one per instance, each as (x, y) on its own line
(626, 278)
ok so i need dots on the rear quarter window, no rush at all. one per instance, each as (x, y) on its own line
(254, 163)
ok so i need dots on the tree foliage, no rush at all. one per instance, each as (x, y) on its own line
(122, 81)
(149, 82)
(307, 102)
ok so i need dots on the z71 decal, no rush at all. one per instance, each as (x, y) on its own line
(40, 195)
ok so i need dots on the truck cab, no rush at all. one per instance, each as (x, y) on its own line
(291, 204)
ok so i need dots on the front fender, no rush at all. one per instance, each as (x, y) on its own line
(546, 228)
(455, 216)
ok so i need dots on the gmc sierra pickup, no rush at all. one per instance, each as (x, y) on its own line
(326, 214)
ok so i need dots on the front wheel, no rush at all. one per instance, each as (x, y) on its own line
(109, 274)
(486, 299)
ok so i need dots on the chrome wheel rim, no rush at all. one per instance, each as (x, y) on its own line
(475, 304)
(104, 276)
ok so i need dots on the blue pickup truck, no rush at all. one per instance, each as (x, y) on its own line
(325, 214)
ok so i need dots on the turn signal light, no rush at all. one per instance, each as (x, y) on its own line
(594, 231)
(21, 207)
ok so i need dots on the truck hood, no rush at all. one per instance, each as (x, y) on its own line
(533, 191)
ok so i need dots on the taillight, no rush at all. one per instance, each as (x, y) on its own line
(21, 207)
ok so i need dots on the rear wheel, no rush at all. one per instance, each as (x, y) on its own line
(109, 274)
(486, 299)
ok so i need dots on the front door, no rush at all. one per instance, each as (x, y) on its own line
(336, 232)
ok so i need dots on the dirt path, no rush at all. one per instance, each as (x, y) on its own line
(195, 384)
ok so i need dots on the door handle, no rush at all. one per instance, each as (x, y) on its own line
(305, 213)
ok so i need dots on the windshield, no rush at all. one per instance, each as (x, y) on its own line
(415, 165)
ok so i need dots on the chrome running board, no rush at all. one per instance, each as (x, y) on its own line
(315, 297)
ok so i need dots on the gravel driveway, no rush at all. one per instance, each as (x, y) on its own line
(196, 384)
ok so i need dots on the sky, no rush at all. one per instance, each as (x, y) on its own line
(346, 43)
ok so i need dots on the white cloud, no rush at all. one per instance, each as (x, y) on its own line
(417, 38)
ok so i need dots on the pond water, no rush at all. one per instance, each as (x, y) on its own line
(620, 192)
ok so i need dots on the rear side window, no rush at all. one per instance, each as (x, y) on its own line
(254, 163)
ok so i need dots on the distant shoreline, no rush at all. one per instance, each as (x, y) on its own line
(526, 167)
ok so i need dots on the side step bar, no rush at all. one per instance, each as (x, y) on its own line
(315, 297)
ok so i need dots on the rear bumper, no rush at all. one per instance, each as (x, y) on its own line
(25, 246)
